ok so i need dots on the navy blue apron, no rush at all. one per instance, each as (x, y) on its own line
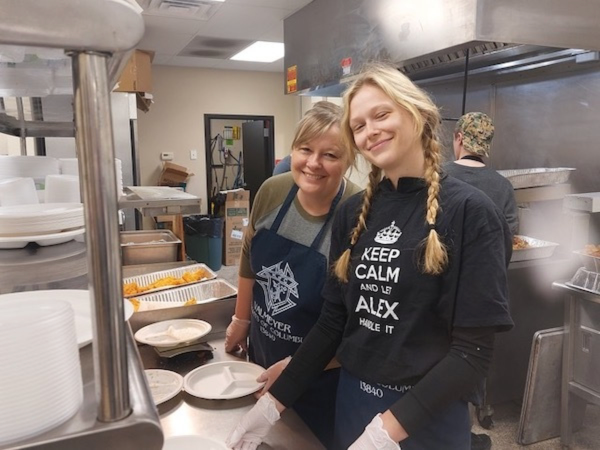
(358, 402)
(286, 304)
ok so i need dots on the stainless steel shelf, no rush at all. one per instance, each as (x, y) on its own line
(152, 207)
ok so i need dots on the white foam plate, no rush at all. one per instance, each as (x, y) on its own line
(42, 240)
(80, 302)
(164, 384)
(223, 380)
(172, 333)
(193, 443)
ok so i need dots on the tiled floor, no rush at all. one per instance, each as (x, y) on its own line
(506, 425)
(506, 416)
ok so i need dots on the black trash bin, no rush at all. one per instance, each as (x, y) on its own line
(204, 239)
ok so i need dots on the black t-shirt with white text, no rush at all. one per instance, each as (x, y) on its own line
(392, 322)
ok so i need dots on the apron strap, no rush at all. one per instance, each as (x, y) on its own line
(286, 206)
(335, 202)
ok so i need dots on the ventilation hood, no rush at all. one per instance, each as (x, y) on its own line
(328, 41)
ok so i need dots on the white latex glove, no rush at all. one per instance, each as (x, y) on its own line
(270, 375)
(254, 426)
(375, 437)
(236, 335)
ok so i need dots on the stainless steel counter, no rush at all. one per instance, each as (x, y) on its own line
(186, 414)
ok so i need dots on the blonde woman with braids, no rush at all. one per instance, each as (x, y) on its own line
(417, 292)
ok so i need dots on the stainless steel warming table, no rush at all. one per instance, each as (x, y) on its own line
(581, 354)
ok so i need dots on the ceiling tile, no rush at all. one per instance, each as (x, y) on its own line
(292, 5)
(162, 59)
(170, 43)
(172, 25)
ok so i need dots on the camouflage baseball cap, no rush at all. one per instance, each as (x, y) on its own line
(478, 131)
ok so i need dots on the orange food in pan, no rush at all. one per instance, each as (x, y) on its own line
(592, 250)
(519, 243)
(186, 278)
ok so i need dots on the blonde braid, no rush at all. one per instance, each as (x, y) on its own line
(436, 255)
(341, 265)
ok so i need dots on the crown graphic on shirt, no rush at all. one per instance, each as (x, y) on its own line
(388, 235)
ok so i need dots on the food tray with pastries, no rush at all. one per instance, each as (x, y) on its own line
(194, 294)
(166, 279)
(590, 257)
(526, 248)
(526, 178)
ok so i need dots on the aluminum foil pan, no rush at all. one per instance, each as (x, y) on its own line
(195, 294)
(591, 263)
(537, 249)
(526, 178)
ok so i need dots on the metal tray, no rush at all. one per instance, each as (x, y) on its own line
(591, 263)
(586, 280)
(205, 292)
(526, 178)
(144, 280)
(149, 246)
(540, 412)
(538, 249)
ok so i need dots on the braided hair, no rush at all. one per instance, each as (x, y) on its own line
(426, 119)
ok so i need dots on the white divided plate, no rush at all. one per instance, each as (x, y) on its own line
(164, 384)
(80, 302)
(223, 380)
(42, 240)
(172, 333)
(192, 443)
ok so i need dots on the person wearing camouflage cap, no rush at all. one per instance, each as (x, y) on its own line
(474, 132)
(473, 136)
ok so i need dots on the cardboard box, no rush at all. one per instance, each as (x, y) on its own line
(137, 74)
(237, 213)
(174, 175)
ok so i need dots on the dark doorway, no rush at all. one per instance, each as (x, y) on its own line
(239, 153)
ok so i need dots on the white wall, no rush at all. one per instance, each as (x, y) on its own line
(175, 122)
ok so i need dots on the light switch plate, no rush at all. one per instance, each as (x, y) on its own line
(167, 156)
(193, 154)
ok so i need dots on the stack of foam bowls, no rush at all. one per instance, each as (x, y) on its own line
(40, 380)
(62, 189)
(36, 167)
(18, 191)
(70, 166)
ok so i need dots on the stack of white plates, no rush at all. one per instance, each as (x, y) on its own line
(46, 224)
(40, 380)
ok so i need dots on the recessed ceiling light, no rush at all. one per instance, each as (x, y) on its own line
(261, 51)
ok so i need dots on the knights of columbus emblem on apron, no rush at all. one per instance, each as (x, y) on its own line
(278, 285)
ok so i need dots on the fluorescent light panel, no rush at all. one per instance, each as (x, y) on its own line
(261, 51)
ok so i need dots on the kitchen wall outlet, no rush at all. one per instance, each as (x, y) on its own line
(193, 154)
(167, 156)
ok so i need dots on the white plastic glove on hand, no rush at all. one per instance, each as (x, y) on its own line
(254, 426)
(236, 335)
(271, 374)
(374, 438)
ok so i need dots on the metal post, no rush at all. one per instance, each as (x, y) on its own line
(94, 138)
(23, 131)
